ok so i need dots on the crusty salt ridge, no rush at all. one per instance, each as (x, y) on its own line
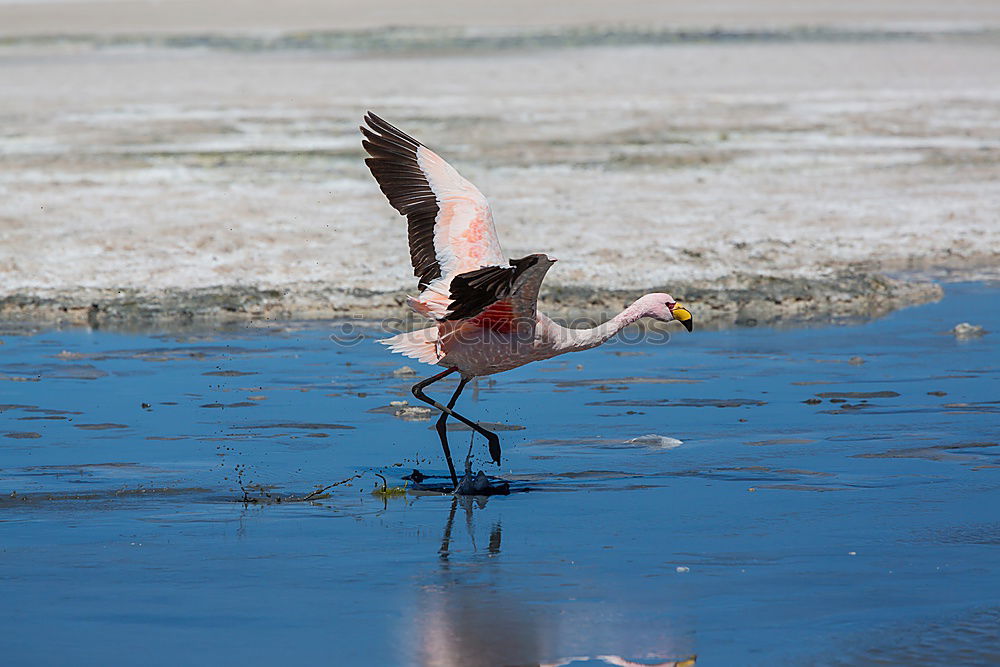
(758, 180)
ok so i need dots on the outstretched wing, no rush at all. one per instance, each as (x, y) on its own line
(449, 220)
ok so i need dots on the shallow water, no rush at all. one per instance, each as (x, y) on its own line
(833, 500)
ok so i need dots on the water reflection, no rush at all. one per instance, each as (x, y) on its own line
(496, 532)
(468, 614)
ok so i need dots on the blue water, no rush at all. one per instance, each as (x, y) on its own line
(856, 530)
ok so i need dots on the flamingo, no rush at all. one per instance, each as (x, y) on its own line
(483, 308)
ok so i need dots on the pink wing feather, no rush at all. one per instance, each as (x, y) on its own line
(451, 227)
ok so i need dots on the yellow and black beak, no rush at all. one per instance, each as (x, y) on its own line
(683, 315)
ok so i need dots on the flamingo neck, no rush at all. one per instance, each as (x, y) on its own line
(584, 339)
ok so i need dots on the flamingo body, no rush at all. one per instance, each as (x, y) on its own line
(483, 308)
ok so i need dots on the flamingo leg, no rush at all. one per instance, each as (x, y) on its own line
(491, 437)
(442, 429)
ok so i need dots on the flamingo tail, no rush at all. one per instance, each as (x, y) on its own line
(421, 345)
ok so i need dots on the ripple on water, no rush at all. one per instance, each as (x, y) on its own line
(964, 638)
(292, 426)
(16, 500)
(858, 394)
(781, 441)
(935, 452)
(489, 426)
(56, 371)
(230, 374)
(977, 533)
(622, 381)
(238, 404)
(682, 402)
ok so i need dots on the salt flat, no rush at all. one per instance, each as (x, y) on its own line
(776, 172)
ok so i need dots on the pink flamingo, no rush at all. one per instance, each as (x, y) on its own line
(484, 308)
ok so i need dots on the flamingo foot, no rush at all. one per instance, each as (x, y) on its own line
(479, 484)
(468, 485)
(494, 443)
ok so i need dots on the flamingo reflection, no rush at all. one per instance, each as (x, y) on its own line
(468, 619)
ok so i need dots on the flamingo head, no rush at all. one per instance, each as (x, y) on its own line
(664, 308)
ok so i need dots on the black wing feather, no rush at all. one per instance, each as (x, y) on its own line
(475, 291)
(393, 163)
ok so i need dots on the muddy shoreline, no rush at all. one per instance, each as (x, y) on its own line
(739, 301)
(412, 40)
